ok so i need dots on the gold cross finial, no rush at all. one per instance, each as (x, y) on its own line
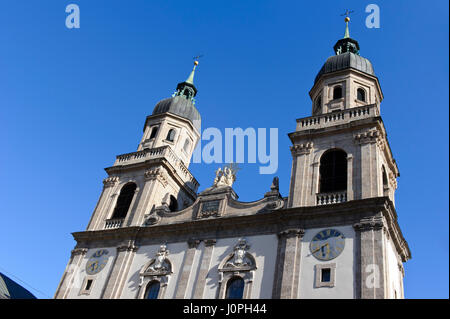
(346, 14)
(196, 59)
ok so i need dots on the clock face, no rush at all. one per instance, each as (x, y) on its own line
(97, 262)
(327, 244)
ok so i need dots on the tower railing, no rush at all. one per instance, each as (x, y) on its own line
(331, 198)
(114, 223)
(330, 119)
(158, 152)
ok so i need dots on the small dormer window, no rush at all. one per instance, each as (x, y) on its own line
(337, 92)
(361, 95)
(171, 135)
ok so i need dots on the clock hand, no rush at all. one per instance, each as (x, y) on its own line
(319, 248)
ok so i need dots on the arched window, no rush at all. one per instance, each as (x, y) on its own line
(187, 143)
(154, 132)
(171, 135)
(361, 95)
(235, 288)
(317, 105)
(124, 200)
(385, 180)
(173, 206)
(333, 171)
(152, 290)
(337, 92)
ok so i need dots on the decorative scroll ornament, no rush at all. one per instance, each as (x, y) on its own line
(152, 219)
(240, 259)
(369, 224)
(156, 174)
(393, 180)
(110, 181)
(225, 176)
(368, 137)
(302, 149)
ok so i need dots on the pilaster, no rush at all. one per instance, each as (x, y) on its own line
(287, 271)
(301, 174)
(120, 269)
(98, 216)
(154, 179)
(70, 272)
(187, 268)
(370, 261)
(368, 141)
(204, 268)
(350, 195)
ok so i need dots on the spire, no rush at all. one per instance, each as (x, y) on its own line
(190, 79)
(346, 44)
(347, 33)
(187, 89)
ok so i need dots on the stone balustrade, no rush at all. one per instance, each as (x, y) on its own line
(331, 198)
(159, 152)
(114, 223)
(137, 156)
(330, 119)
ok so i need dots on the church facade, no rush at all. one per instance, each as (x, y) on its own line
(336, 235)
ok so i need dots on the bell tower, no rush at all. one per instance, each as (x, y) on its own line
(343, 165)
(156, 176)
(341, 152)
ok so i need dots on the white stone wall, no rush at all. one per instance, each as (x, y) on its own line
(143, 255)
(263, 248)
(345, 268)
(395, 278)
(80, 274)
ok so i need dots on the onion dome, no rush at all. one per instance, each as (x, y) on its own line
(347, 57)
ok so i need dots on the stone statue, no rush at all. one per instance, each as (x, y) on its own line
(275, 184)
(225, 176)
(219, 175)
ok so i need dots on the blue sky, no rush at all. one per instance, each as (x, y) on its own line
(71, 100)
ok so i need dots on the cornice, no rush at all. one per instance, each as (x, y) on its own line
(351, 126)
(281, 221)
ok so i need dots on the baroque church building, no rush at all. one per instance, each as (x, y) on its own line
(336, 235)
